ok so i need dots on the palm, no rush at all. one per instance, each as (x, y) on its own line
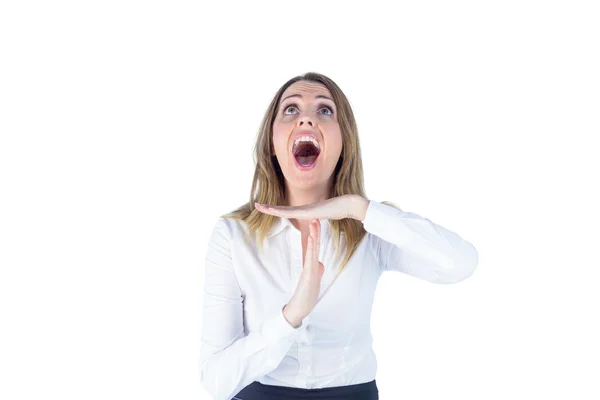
(334, 208)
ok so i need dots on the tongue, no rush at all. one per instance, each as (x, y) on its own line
(306, 154)
(305, 161)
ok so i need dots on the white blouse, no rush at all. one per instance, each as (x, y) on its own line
(245, 336)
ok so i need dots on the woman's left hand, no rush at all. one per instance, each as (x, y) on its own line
(346, 206)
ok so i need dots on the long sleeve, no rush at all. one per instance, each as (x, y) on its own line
(229, 359)
(409, 243)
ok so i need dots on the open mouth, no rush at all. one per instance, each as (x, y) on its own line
(306, 153)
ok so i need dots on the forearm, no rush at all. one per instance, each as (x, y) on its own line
(292, 318)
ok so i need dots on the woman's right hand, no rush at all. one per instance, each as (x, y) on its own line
(306, 295)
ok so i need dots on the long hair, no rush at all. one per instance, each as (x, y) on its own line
(268, 184)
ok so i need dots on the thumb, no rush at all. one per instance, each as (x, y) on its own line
(321, 269)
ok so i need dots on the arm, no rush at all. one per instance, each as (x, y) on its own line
(229, 360)
(409, 243)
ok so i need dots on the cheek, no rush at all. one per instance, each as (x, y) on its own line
(279, 141)
(336, 142)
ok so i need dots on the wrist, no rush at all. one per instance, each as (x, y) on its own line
(291, 317)
(360, 207)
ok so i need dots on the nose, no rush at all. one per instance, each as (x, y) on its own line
(305, 120)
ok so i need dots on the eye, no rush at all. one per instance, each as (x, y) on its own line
(328, 108)
(293, 105)
(288, 106)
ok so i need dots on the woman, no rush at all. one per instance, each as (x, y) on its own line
(283, 315)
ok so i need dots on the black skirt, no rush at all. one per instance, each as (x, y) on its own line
(259, 391)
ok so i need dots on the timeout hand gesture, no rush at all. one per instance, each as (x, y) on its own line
(306, 294)
(346, 206)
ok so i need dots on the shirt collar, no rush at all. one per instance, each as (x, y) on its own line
(281, 223)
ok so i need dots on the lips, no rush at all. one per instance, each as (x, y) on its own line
(306, 133)
(306, 155)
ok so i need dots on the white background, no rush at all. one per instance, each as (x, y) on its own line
(127, 128)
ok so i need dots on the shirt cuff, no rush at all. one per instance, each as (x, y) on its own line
(376, 211)
(276, 328)
(377, 221)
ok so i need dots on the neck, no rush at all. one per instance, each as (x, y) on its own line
(301, 197)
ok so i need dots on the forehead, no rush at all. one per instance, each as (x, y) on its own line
(306, 88)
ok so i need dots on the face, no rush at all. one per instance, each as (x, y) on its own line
(304, 114)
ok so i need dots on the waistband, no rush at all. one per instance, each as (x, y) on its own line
(260, 391)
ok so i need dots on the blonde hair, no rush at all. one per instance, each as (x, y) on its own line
(268, 184)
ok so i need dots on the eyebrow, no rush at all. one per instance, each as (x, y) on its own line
(319, 96)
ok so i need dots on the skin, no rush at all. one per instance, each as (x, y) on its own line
(319, 116)
(307, 291)
(307, 191)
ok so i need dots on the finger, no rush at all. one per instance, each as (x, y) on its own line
(313, 244)
(321, 269)
(309, 251)
(316, 240)
(263, 209)
(310, 248)
(297, 212)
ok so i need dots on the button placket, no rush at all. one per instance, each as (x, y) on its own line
(304, 358)
(295, 258)
(305, 340)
